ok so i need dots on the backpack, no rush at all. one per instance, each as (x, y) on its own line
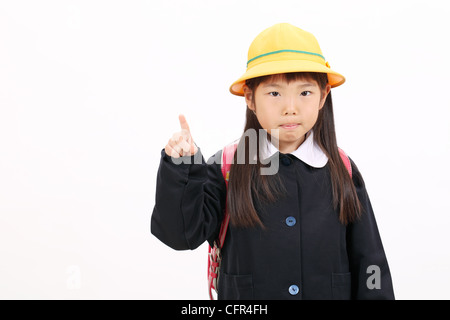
(214, 253)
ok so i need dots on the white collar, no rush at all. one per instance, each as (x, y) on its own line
(308, 152)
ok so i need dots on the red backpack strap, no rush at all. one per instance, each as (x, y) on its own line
(346, 161)
(227, 159)
(214, 255)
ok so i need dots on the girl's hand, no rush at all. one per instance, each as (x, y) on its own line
(181, 144)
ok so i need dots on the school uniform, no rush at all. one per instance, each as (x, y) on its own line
(303, 252)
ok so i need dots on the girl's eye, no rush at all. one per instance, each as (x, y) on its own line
(274, 93)
(305, 93)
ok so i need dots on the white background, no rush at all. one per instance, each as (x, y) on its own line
(90, 92)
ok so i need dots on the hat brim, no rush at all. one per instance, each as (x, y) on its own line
(286, 66)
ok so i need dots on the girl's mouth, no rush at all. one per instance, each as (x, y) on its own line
(289, 126)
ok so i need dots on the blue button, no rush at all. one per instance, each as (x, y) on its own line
(290, 221)
(293, 290)
(285, 161)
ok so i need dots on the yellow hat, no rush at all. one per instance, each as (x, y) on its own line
(284, 48)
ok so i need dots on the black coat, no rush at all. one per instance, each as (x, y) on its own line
(304, 252)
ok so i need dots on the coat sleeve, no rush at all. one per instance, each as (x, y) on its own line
(189, 202)
(371, 277)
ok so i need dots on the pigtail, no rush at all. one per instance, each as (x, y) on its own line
(345, 197)
(246, 186)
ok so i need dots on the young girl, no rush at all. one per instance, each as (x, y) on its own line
(308, 230)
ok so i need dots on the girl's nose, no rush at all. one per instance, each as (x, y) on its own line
(290, 107)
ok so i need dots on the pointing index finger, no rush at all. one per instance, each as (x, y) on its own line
(183, 123)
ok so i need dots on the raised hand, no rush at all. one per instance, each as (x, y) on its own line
(181, 144)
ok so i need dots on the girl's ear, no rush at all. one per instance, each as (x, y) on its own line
(325, 95)
(248, 95)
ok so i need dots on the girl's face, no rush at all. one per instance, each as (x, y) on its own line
(291, 107)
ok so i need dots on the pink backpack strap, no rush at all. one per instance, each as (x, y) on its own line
(214, 255)
(346, 161)
(227, 160)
